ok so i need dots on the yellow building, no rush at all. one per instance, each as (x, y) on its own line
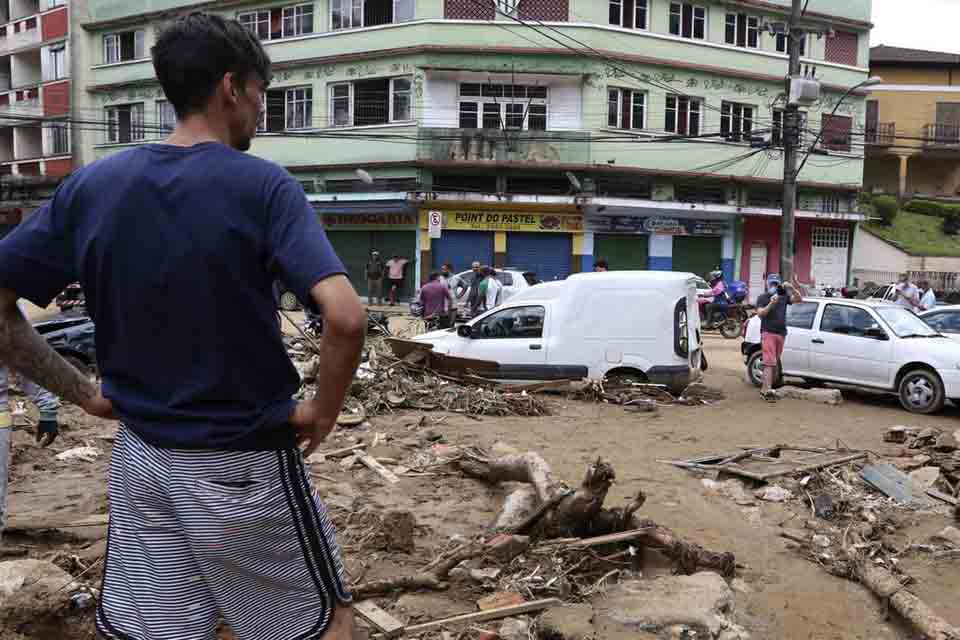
(912, 126)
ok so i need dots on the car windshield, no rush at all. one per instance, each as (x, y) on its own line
(904, 323)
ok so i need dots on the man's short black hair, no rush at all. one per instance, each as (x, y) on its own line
(195, 51)
(434, 275)
(602, 264)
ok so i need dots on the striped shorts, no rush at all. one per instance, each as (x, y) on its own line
(197, 537)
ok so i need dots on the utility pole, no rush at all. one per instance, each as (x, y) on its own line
(791, 147)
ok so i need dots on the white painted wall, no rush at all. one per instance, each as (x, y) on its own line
(565, 106)
(440, 108)
(870, 253)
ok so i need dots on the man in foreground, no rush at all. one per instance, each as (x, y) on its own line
(907, 294)
(213, 514)
(772, 309)
(437, 301)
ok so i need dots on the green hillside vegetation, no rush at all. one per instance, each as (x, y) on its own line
(918, 234)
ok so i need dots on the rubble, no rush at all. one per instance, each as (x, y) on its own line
(831, 397)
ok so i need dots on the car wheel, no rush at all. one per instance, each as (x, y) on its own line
(730, 329)
(289, 302)
(921, 391)
(755, 368)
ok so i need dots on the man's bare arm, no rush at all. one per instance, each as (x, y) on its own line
(344, 329)
(23, 350)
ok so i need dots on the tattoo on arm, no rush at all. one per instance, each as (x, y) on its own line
(26, 352)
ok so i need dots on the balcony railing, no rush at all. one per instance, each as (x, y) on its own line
(27, 108)
(25, 38)
(881, 134)
(942, 135)
(496, 145)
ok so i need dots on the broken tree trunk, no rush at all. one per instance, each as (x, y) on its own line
(580, 513)
(887, 587)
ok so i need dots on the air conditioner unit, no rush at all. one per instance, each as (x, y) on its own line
(804, 92)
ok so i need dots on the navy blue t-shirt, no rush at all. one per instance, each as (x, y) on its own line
(177, 249)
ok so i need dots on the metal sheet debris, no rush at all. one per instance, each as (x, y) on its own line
(763, 464)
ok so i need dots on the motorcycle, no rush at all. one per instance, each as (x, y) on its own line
(727, 312)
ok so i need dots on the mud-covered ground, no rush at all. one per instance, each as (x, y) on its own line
(785, 597)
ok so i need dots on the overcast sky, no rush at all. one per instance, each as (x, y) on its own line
(917, 24)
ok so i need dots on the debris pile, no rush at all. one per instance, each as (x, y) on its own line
(931, 457)
(636, 396)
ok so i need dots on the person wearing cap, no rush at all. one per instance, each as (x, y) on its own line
(375, 270)
(772, 309)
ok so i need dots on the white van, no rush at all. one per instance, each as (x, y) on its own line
(639, 324)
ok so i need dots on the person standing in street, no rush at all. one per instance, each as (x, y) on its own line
(471, 285)
(395, 268)
(772, 309)
(436, 300)
(48, 427)
(213, 514)
(490, 288)
(907, 294)
(928, 300)
(375, 272)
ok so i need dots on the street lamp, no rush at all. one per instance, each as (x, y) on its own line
(869, 82)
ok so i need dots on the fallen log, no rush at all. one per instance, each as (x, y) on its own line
(883, 584)
(581, 514)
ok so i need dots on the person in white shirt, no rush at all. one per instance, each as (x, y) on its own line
(907, 294)
(929, 299)
(493, 289)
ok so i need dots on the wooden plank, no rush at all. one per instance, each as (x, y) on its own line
(383, 621)
(613, 538)
(334, 454)
(939, 495)
(372, 464)
(40, 521)
(893, 483)
(484, 616)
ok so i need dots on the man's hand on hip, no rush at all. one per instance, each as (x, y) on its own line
(312, 427)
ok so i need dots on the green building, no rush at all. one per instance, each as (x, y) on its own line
(547, 133)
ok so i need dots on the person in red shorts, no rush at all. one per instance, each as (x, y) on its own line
(772, 309)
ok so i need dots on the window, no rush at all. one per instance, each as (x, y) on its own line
(299, 108)
(371, 102)
(59, 139)
(519, 322)
(802, 315)
(286, 109)
(507, 6)
(284, 22)
(946, 321)
(496, 106)
(777, 132)
(781, 43)
(166, 116)
(58, 62)
(55, 3)
(688, 20)
(354, 14)
(123, 47)
(258, 22)
(836, 132)
(842, 48)
(626, 109)
(124, 123)
(850, 321)
(736, 121)
(341, 109)
(630, 14)
(683, 115)
(402, 102)
(743, 30)
(298, 20)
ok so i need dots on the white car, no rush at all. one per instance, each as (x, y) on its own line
(513, 283)
(865, 344)
(640, 325)
(944, 319)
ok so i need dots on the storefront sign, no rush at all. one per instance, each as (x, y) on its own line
(661, 226)
(345, 222)
(508, 221)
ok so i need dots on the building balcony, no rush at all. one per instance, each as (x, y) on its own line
(504, 146)
(881, 134)
(26, 37)
(26, 108)
(942, 136)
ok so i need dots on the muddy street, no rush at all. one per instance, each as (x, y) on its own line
(779, 594)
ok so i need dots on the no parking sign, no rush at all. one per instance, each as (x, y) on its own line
(435, 223)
